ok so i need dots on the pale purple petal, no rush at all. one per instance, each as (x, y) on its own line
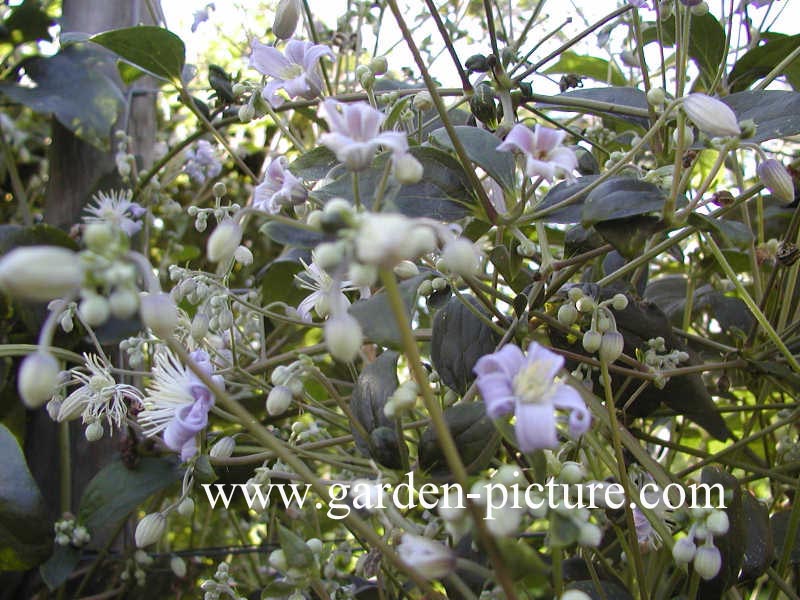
(508, 360)
(297, 87)
(540, 168)
(519, 138)
(308, 303)
(565, 158)
(334, 117)
(296, 50)
(535, 426)
(189, 420)
(546, 139)
(189, 449)
(268, 60)
(497, 393)
(269, 93)
(548, 362)
(394, 140)
(313, 54)
(567, 398)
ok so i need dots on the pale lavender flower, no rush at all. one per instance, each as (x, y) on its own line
(178, 402)
(202, 162)
(116, 209)
(280, 188)
(510, 381)
(201, 16)
(297, 72)
(355, 134)
(638, 3)
(545, 156)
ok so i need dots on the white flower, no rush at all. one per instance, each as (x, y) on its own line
(280, 188)
(385, 239)
(713, 117)
(430, 559)
(98, 395)
(544, 155)
(223, 241)
(297, 72)
(116, 209)
(325, 290)
(355, 134)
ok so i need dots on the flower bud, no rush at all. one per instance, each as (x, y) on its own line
(37, 378)
(123, 303)
(421, 240)
(279, 400)
(287, 14)
(611, 346)
(243, 256)
(423, 101)
(343, 337)
(707, 561)
(223, 448)
(589, 535)
(504, 522)
(97, 236)
(315, 545)
(186, 507)
(483, 106)
(224, 241)
(407, 169)
(567, 314)
(150, 529)
(572, 472)
(277, 560)
(406, 269)
(430, 559)
(94, 310)
(592, 340)
(575, 595)
(178, 566)
(362, 275)
(94, 431)
(713, 117)
(718, 523)
(199, 327)
(460, 256)
(379, 65)
(246, 113)
(619, 302)
(40, 273)
(159, 313)
(776, 179)
(700, 9)
(684, 551)
(328, 255)
(656, 96)
(585, 304)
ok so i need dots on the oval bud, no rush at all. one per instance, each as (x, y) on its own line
(707, 561)
(224, 241)
(277, 560)
(575, 595)
(343, 337)
(407, 169)
(713, 117)
(592, 341)
(178, 566)
(150, 529)
(37, 379)
(379, 65)
(611, 346)
(186, 507)
(460, 256)
(287, 14)
(97, 236)
(406, 269)
(423, 101)
(223, 448)
(656, 96)
(243, 256)
(567, 314)
(684, 551)
(279, 400)
(123, 303)
(718, 523)
(590, 535)
(572, 472)
(159, 313)
(199, 326)
(585, 304)
(483, 106)
(40, 273)
(94, 431)
(94, 310)
(619, 302)
(776, 179)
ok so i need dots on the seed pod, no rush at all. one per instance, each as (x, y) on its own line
(477, 63)
(787, 254)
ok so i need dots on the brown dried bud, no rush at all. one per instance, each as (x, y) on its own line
(787, 254)
(723, 198)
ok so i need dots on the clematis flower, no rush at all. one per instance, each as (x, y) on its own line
(545, 156)
(115, 208)
(297, 72)
(325, 291)
(510, 381)
(202, 162)
(279, 188)
(429, 558)
(355, 134)
(178, 402)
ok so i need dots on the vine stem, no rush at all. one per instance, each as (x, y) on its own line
(751, 304)
(286, 454)
(443, 435)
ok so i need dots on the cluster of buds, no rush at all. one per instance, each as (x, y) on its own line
(282, 563)
(659, 359)
(288, 384)
(706, 559)
(134, 568)
(68, 533)
(602, 336)
(223, 585)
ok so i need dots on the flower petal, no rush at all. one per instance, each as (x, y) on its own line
(549, 362)
(497, 393)
(540, 168)
(536, 426)
(547, 139)
(508, 360)
(519, 138)
(267, 60)
(565, 397)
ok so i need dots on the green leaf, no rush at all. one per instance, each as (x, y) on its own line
(278, 282)
(558, 193)
(776, 112)
(27, 22)
(298, 554)
(289, 235)
(458, 339)
(56, 569)
(629, 235)
(760, 61)
(72, 87)
(729, 234)
(589, 66)
(117, 490)
(375, 314)
(481, 148)
(621, 197)
(314, 164)
(759, 549)
(26, 532)
(619, 96)
(153, 49)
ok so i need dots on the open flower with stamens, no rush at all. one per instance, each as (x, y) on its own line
(178, 402)
(115, 208)
(355, 134)
(280, 188)
(297, 71)
(98, 395)
(325, 290)
(510, 381)
(544, 155)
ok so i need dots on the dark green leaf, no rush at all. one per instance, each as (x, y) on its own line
(630, 235)
(729, 234)
(480, 146)
(588, 66)
(221, 83)
(26, 532)
(72, 87)
(621, 197)
(459, 338)
(298, 554)
(779, 524)
(557, 194)
(288, 235)
(152, 49)
(760, 61)
(759, 549)
(474, 434)
(56, 569)
(27, 22)
(375, 315)
(314, 164)
(775, 112)
(563, 530)
(376, 383)
(117, 490)
(278, 283)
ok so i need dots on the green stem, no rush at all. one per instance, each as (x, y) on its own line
(791, 535)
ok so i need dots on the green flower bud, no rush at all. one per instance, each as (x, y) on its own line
(343, 337)
(94, 431)
(224, 241)
(287, 15)
(159, 313)
(223, 448)
(186, 507)
(279, 400)
(611, 346)
(718, 523)
(94, 310)
(684, 551)
(567, 314)
(483, 105)
(707, 561)
(40, 273)
(150, 529)
(592, 341)
(379, 65)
